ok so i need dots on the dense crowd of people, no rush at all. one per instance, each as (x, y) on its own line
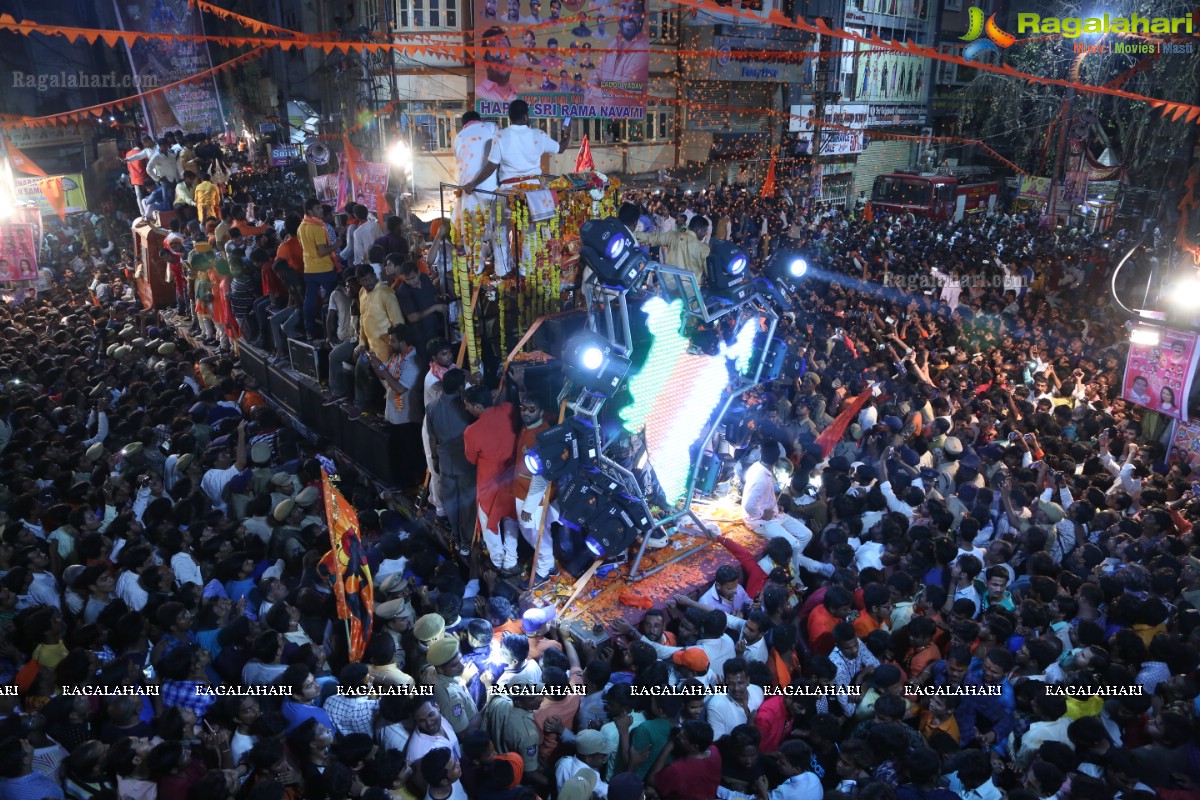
(944, 605)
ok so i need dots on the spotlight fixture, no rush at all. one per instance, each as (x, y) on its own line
(562, 449)
(726, 265)
(616, 525)
(610, 252)
(787, 266)
(593, 362)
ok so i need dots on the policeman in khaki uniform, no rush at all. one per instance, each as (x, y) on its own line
(427, 630)
(282, 488)
(508, 720)
(307, 500)
(448, 690)
(261, 474)
(260, 480)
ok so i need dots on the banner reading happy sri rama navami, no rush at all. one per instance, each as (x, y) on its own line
(192, 107)
(584, 59)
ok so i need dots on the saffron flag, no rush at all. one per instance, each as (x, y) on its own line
(583, 161)
(52, 190)
(23, 163)
(346, 570)
(768, 189)
(352, 154)
(831, 435)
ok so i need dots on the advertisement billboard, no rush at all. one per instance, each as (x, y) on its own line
(191, 107)
(28, 191)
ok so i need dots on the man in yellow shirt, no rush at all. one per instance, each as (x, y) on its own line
(319, 275)
(378, 311)
(208, 199)
(684, 248)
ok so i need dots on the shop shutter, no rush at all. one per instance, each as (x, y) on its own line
(879, 158)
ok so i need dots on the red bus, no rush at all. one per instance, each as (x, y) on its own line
(934, 196)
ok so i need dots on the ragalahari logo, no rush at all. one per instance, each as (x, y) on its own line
(997, 38)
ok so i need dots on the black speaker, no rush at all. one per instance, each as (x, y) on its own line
(254, 362)
(556, 329)
(370, 446)
(308, 360)
(286, 390)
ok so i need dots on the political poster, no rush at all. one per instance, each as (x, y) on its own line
(158, 62)
(28, 191)
(326, 187)
(1034, 188)
(584, 59)
(18, 252)
(1159, 376)
(1185, 443)
(370, 186)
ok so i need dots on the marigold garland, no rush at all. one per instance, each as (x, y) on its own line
(540, 252)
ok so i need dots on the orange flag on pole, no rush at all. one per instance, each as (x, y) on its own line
(768, 189)
(23, 163)
(583, 161)
(346, 570)
(52, 190)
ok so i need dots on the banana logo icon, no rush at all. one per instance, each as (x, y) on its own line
(996, 37)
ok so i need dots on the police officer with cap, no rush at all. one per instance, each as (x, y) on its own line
(448, 690)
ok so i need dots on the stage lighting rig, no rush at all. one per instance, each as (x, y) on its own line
(594, 363)
(616, 525)
(562, 449)
(726, 266)
(611, 252)
(584, 496)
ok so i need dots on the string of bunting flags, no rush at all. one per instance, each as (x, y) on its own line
(102, 109)
(1176, 111)
(248, 22)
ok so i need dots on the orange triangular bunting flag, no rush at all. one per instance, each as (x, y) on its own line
(22, 163)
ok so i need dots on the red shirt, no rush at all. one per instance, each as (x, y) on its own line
(773, 722)
(820, 630)
(691, 778)
(137, 169)
(490, 443)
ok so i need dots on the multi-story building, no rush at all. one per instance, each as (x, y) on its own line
(705, 108)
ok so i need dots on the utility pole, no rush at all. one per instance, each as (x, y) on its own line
(1060, 161)
(821, 94)
(283, 78)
